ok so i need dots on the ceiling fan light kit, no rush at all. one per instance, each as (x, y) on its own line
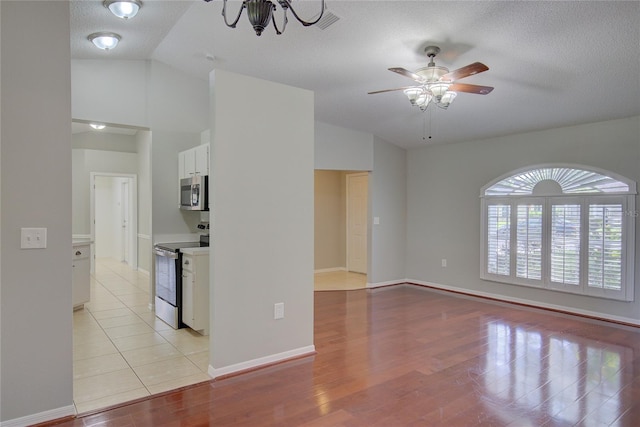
(437, 84)
(260, 12)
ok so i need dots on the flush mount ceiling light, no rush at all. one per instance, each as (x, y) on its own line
(125, 9)
(104, 41)
(97, 126)
(437, 84)
(260, 12)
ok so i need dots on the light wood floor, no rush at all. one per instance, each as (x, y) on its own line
(409, 356)
(339, 281)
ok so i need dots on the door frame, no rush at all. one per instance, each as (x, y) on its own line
(133, 214)
(348, 176)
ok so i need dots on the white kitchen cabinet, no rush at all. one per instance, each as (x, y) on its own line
(194, 161)
(80, 283)
(195, 289)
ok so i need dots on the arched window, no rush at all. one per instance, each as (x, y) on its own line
(560, 227)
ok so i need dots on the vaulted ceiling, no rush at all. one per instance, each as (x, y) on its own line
(552, 64)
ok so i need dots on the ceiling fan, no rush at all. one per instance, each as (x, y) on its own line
(436, 84)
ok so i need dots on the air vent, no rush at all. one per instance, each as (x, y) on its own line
(328, 19)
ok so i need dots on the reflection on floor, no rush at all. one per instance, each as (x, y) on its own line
(122, 351)
(339, 281)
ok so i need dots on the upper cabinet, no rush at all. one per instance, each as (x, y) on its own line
(194, 161)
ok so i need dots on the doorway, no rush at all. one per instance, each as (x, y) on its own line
(331, 265)
(113, 217)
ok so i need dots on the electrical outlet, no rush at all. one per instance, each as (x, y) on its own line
(278, 311)
(444, 262)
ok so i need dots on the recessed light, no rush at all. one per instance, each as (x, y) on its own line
(104, 40)
(97, 126)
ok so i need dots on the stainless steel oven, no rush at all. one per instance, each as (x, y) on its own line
(168, 281)
(194, 193)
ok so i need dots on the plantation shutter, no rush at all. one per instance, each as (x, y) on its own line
(605, 246)
(499, 239)
(565, 244)
(529, 241)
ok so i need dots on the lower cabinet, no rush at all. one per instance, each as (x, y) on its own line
(80, 283)
(195, 291)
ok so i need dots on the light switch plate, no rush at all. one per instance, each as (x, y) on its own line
(278, 311)
(376, 220)
(33, 238)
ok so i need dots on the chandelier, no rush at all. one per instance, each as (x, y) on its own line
(260, 12)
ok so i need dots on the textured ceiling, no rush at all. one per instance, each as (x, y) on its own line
(552, 64)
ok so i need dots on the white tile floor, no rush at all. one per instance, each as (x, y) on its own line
(122, 351)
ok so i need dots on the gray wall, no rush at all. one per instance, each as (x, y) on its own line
(105, 141)
(167, 218)
(171, 104)
(178, 108)
(121, 96)
(388, 201)
(36, 314)
(262, 223)
(444, 206)
(338, 148)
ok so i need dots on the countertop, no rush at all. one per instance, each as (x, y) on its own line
(195, 251)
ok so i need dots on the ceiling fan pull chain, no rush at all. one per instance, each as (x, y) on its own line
(424, 123)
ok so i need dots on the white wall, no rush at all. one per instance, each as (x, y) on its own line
(108, 231)
(143, 143)
(444, 205)
(35, 285)
(262, 226)
(86, 161)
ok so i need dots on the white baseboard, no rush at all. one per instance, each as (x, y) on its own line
(261, 361)
(65, 411)
(382, 284)
(144, 236)
(530, 303)
(143, 271)
(329, 270)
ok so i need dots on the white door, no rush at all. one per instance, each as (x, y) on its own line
(357, 189)
(124, 216)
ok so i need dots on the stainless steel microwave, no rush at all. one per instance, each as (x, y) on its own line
(194, 193)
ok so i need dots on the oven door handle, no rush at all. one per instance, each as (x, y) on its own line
(166, 254)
